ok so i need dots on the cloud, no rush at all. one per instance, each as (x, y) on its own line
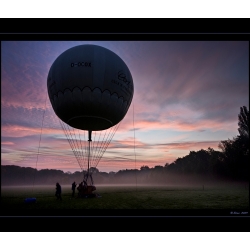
(7, 143)
(203, 79)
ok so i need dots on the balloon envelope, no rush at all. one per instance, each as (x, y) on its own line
(90, 87)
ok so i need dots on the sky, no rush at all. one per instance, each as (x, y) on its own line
(187, 97)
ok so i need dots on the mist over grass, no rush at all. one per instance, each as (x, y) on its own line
(226, 196)
(129, 189)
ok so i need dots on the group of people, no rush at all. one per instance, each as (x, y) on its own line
(82, 185)
(58, 193)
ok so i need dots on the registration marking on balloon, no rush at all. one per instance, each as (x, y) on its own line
(81, 64)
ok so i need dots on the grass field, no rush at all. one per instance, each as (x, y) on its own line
(130, 197)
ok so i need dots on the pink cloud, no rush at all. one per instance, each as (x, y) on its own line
(21, 131)
(7, 143)
(177, 124)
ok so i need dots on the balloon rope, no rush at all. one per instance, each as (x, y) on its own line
(86, 149)
(67, 136)
(99, 149)
(89, 153)
(70, 140)
(134, 148)
(107, 143)
(104, 140)
(96, 148)
(77, 145)
(92, 147)
(81, 150)
(93, 151)
(74, 144)
(39, 142)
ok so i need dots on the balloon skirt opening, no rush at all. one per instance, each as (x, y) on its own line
(90, 123)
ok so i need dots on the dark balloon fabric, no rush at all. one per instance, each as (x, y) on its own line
(90, 87)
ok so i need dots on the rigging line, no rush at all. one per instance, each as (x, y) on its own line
(109, 136)
(64, 126)
(39, 141)
(115, 129)
(92, 147)
(102, 148)
(75, 142)
(86, 149)
(112, 132)
(81, 136)
(134, 148)
(76, 133)
(89, 155)
(68, 138)
(96, 148)
(65, 130)
(99, 149)
(76, 145)
(81, 141)
(79, 146)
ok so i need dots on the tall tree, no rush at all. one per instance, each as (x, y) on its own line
(236, 151)
(243, 122)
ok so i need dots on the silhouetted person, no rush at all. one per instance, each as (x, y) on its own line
(79, 188)
(58, 191)
(73, 188)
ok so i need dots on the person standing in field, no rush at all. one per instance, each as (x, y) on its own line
(79, 188)
(73, 188)
(58, 191)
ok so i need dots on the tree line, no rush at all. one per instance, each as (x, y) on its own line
(232, 162)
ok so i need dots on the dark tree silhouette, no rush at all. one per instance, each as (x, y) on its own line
(144, 168)
(243, 122)
(236, 151)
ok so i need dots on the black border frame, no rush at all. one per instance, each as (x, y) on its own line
(124, 29)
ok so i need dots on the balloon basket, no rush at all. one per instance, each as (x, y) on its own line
(87, 192)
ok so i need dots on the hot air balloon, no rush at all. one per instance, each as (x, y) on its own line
(90, 89)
